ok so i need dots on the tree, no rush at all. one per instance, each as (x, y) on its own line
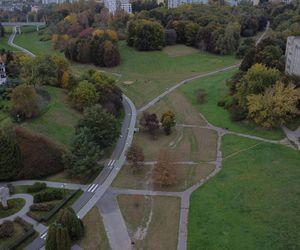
(81, 160)
(150, 122)
(168, 121)
(68, 219)
(10, 154)
(102, 126)
(170, 36)
(275, 107)
(135, 157)
(145, 35)
(190, 33)
(111, 56)
(84, 95)
(24, 101)
(58, 238)
(164, 170)
(255, 81)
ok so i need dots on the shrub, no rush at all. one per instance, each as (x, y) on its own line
(49, 195)
(40, 155)
(6, 229)
(170, 37)
(237, 113)
(41, 207)
(36, 187)
(230, 101)
(221, 103)
(201, 96)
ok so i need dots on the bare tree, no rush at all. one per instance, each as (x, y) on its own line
(135, 157)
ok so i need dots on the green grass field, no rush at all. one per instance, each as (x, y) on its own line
(14, 205)
(31, 41)
(218, 116)
(4, 45)
(58, 119)
(253, 203)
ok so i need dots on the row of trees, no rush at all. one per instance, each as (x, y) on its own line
(164, 173)
(97, 47)
(152, 125)
(66, 229)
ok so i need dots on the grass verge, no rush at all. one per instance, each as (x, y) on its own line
(14, 205)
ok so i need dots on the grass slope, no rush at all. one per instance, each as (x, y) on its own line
(152, 72)
(58, 120)
(218, 116)
(253, 203)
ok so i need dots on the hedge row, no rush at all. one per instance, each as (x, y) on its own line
(48, 195)
(51, 213)
(36, 187)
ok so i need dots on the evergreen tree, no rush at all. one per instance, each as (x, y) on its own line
(68, 219)
(10, 154)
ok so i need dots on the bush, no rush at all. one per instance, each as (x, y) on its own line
(230, 101)
(42, 207)
(49, 195)
(36, 187)
(237, 113)
(40, 155)
(170, 37)
(6, 229)
(201, 96)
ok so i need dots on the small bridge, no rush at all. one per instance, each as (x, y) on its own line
(18, 25)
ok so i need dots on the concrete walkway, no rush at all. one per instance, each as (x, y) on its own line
(28, 202)
(114, 223)
(293, 136)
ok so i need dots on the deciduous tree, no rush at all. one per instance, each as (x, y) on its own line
(135, 157)
(168, 121)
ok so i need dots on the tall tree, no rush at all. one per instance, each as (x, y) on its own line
(168, 121)
(150, 122)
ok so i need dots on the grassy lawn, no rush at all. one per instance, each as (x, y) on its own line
(4, 45)
(253, 203)
(14, 205)
(58, 120)
(150, 73)
(176, 102)
(187, 175)
(95, 235)
(31, 41)
(188, 144)
(152, 221)
(218, 116)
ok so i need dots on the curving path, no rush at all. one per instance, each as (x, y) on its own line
(28, 202)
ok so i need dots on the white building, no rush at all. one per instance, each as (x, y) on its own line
(56, 1)
(292, 54)
(3, 77)
(114, 5)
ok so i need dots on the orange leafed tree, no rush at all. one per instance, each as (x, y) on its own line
(165, 170)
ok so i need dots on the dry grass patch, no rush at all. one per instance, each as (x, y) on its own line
(95, 236)
(188, 144)
(184, 111)
(152, 221)
(179, 50)
(187, 175)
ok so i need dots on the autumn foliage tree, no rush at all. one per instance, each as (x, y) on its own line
(150, 122)
(24, 101)
(275, 107)
(165, 170)
(135, 157)
(168, 121)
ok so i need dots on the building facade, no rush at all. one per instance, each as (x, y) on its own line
(3, 76)
(114, 5)
(292, 54)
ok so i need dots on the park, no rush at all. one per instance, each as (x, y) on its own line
(170, 163)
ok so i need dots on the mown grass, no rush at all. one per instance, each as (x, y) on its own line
(4, 44)
(14, 205)
(94, 232)
(216, 90)
(58, 120)
(158, 216)
(253, 203)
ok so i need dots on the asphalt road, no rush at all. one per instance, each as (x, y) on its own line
(96, 190)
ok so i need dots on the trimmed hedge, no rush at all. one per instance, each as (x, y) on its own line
(51, 213)
(6, 229)
(48, 195)
(41, 207)
(36, 187)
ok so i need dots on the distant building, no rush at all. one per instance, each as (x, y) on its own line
(57, 1)
(292, 54)
(3, 77)
(114, 5)
(176, 3)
